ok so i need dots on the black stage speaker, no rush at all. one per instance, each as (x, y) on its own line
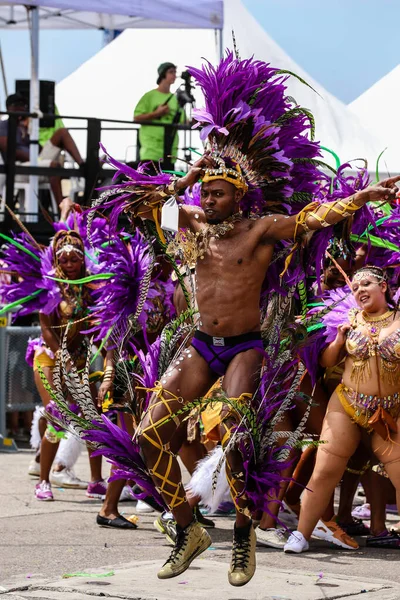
(46, 97)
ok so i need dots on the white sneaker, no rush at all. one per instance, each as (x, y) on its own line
(67, 479)
(273, 538)
(296, 543)
(126, 494)
(331, 532)
(142, 507)
(34, 468)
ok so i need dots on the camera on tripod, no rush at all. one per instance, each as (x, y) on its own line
(184, 92)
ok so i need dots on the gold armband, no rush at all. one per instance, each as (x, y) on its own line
(109, 373)
(340, 207)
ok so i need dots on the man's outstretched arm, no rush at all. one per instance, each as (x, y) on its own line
(314, 216)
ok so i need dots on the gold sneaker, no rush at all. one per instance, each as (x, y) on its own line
(243, 563)
(190, 542)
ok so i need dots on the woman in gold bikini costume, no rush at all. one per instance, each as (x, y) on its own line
(69, 264)
(367, 399)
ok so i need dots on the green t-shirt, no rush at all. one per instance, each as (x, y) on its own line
(152, 138)
(46, 133)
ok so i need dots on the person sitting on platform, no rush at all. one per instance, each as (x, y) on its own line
(49, 153)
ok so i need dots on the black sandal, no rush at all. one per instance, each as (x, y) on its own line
(119, 522)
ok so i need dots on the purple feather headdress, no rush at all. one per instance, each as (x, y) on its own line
(250, 121)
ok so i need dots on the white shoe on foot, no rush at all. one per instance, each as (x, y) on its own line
(67, 479)
(142, 507)
(331, 532)
(126, 494)
(272, 538)
(296, 543)
(34, 468)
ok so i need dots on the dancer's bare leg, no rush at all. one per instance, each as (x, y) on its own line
(182, 383)
(341, 437)
(190, 454)
(109, 508)
(242, 377)
(48, 450)
(389, 454)
(350, 480)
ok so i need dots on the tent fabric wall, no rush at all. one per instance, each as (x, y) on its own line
(115, 14)
(377, 109)
(112, 81)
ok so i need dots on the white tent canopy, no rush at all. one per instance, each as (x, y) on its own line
(114, 14)
(111, 14)
(110, 83)
(377, 109)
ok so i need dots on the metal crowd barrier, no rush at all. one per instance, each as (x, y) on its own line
(17, 386)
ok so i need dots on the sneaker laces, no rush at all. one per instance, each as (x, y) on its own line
(180, 545)
(240, 551)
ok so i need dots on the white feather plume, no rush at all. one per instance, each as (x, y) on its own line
(69, 451)
(35, 434)
(201, 481)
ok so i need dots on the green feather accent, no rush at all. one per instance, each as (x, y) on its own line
(315, 162)
(377, 166)
(63, 406)
(20, 246)
(298, 110)
(335, 156)
(303, 297)
(375, 241)
(24, 300)
(303, 81)
(301, 197)
(301, 444)
(84, 280)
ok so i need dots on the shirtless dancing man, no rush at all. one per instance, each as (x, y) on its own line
(234, 257)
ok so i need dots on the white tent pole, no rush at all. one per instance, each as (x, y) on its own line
(31, 203)
(3, 75)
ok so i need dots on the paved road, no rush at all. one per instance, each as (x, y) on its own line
(41, 542)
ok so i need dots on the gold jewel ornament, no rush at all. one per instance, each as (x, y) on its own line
(189, 247)
(375, 324)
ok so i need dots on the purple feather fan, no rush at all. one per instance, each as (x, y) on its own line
(323, 326)
(117, 300)
(31, 266)
(124, 453)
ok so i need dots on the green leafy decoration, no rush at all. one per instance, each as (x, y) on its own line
(294, 112)
(303, 81)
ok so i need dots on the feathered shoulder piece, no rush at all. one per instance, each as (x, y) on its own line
(338, 240)
(254, 128)
(334, 308)
(27, 287)
(33, 279)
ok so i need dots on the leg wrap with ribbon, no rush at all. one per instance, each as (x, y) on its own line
(235, 475)
(155, 432)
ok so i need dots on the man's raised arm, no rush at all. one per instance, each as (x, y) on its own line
(317, 216)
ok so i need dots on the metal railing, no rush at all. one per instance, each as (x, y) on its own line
(92, 170)
(17, 385)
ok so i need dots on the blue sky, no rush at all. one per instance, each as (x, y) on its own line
(346, 45)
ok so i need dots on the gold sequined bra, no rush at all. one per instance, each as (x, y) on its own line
(361, 348)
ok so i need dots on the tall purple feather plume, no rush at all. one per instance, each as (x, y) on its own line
(248, 112)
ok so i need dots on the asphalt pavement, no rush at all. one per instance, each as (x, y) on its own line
(55, 550)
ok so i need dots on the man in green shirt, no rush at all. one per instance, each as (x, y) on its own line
(161, 106)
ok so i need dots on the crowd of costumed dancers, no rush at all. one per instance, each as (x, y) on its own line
(241, 317)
